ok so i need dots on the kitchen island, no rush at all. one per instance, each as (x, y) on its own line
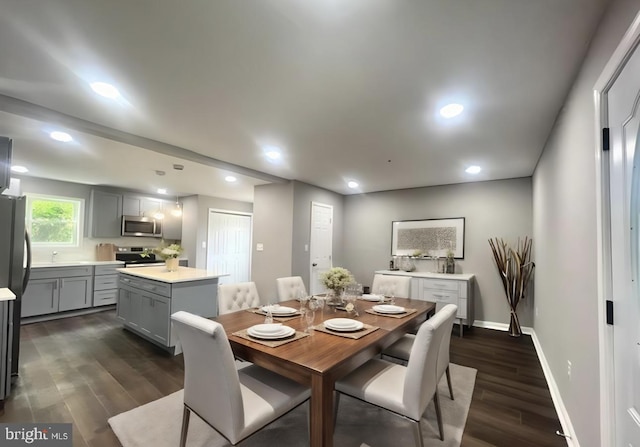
(148, 296)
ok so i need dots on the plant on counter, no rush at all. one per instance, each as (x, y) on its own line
(336, 278)
(164, 252)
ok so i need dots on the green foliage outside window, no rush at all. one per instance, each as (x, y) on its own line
(53, 221)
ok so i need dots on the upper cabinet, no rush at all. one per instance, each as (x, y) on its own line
(105, 215)
(141, 206)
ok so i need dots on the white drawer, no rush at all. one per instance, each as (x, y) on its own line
(440, 284)
(105, 282)
(441, 296)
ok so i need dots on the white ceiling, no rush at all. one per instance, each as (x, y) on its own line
(348, 89)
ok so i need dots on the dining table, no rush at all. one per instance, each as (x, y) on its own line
(322, 358)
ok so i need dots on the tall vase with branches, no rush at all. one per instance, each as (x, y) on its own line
(515, 268)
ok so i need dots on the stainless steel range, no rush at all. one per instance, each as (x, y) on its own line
(132, 257)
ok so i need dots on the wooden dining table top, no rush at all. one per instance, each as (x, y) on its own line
(321, 359)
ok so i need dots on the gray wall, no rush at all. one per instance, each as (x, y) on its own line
(303, 195)
(273, 227)
(499, 208)
(565, 236)
(190, 228)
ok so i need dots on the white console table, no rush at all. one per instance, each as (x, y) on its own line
(442, 288)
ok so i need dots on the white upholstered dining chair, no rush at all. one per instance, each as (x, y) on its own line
(234, 403)
(290, 287)
(404, 390)
(399, 286)
(237, 296)
(402, 350)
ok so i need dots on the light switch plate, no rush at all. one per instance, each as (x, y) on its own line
(259, 247)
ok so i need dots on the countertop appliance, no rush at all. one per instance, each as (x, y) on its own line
(141, 226)
(15, 266)
(132, 257)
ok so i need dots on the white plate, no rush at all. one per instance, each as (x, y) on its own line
(370, 297)
(389, 309)
(280, 310)
(267, 328)
(286, 332)
(340, 324)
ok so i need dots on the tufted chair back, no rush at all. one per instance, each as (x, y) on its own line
(400, 286)
(290, 287)
(234, 297)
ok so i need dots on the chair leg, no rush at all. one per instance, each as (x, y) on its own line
(436, 401)
(417, 433)
(449, 383)
(185, 426)
(336, 402)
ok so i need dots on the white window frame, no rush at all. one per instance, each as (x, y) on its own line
(79, 233)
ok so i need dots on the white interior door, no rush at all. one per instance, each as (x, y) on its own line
(623, 101)
(321, 248)
(229, 245)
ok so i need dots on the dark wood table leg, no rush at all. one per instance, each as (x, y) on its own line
(321, 411)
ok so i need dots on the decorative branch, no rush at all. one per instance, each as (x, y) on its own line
(515, 269)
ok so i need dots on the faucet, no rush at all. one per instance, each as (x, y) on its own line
(53, 256)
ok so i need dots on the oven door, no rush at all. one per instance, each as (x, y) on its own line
(139, 226)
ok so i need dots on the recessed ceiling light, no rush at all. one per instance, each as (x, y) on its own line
(106, 90)
(230, 178)
(19, 169)
(162, 191)
(352, 184)
(272, 152)
(61, 136)
(473, 170)
(451, 110)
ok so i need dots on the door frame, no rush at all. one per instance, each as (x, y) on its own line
(237, 213)
(609, 74)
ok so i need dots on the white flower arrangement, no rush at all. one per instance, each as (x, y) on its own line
(336, 278)
(164, 253)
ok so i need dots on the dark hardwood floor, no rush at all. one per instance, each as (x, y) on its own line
(86, 369)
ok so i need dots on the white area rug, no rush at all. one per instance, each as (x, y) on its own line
(158, 423)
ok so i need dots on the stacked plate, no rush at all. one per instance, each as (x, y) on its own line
(343, 325)
(272, 331)
(372, 297)
(388, 309)
(279, 310)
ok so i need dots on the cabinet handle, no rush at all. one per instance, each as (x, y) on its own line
(126, 280)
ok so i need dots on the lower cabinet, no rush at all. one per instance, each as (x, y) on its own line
(58, 289)
(146, 312)
(145, 305)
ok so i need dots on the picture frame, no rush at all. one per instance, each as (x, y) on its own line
(432, 237)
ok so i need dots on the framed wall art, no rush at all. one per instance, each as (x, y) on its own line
(431, 237)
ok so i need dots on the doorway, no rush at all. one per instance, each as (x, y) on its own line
(321, 244)
(618, 104)
(229, 245)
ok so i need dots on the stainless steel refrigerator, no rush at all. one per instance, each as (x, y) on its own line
(15, 265)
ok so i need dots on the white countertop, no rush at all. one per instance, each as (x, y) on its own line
(37, 265)
(6, 295)
(458, 276)
(183, 274)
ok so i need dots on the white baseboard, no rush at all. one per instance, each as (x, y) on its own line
(561, 410)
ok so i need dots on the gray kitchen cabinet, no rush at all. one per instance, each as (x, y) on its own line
(75, 293)
(105, 214)
(105, 285)
(171, 225)
(41, 297)
(58, 289)
(133, 205)
(145, 305)
(5, 163)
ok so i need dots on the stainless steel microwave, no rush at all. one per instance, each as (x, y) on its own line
(141, 226)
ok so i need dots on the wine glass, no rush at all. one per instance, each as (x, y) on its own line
(309, 316)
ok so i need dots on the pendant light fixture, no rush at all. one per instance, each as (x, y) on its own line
(177, 210)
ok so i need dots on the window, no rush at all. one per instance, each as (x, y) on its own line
(54, 221)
